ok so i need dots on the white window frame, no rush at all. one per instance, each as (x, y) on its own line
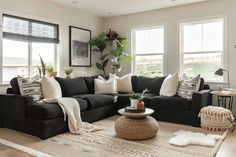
(133, 46)
(224, 56)
(29, 50)
(1, 47)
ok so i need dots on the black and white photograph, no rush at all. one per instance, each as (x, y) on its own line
(80, 50)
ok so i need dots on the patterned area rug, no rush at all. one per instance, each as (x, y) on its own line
(105, 143)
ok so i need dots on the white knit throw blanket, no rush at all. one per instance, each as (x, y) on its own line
(71, 109)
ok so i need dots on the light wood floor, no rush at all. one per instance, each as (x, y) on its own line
(227, 149)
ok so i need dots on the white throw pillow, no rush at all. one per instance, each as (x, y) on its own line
(51, 88)
(124, 83)
(170, 85)
(102, 86)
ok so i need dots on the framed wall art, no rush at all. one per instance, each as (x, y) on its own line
(80, 49)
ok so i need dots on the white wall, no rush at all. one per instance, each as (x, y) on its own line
(56, 13)
(171, 17)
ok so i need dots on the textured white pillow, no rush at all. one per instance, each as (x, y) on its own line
(124, 83)
(102, 86)
(51, 88)
(30, 87)
(188, 86)
(170, 85)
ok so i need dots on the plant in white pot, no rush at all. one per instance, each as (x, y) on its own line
(68, 72)
(135, 99)
(51, 71)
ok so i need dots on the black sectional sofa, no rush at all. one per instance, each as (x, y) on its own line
(46, 119)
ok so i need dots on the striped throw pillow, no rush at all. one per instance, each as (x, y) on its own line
(188, 86)
(30, 87)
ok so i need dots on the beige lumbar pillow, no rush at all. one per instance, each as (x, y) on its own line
(102, 86)
(170, 85)
(124, 83)
(51, 88)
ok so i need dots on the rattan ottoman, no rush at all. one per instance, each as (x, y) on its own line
(136, 126)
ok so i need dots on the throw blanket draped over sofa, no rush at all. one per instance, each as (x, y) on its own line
(71, 108)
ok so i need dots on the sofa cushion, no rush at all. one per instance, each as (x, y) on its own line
(45, 111)
(152, 84)
(172, 103)
(72, 86)
(134, 83)
(201, 84)
(15, 86)
(90, 83)
(96, 100)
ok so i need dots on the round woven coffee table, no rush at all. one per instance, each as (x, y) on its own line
(136, 126)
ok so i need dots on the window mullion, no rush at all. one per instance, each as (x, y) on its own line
(1, 51)
(202, 37)
(149, 54)
(1, 62)
(55, 60)
(203, 52)
(30, 59)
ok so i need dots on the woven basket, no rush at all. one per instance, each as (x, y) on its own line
(216, 118)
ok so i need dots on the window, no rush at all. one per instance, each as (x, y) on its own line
(148, 50)
(202, 48)
(23, 41)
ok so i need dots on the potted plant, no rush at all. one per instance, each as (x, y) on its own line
(51, 71)
(119, 55)
(40, 71)
(68, 72)
(43, 66)
(136, 101)
(100, 45)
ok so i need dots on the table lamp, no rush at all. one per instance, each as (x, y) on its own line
(220, 72)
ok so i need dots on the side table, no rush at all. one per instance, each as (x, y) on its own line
(225, 96)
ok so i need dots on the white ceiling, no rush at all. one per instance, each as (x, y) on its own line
(107, 8)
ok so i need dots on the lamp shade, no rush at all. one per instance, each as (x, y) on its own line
(219, 72)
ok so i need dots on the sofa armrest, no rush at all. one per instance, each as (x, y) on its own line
(10, 91)
(201, 99)
(14, 110)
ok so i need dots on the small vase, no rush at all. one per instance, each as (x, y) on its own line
(140, 105)
(68, 76)
(133, 103)
(52, 74)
